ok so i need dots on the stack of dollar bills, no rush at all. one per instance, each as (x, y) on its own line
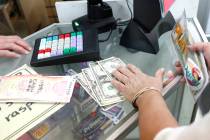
(96, 80)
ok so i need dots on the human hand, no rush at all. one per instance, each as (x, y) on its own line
(13, 47)
(129, 80)
(202, 47)
(171, 75)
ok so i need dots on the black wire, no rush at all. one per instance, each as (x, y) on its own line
(110, 33)
(124, 23)
(129, 10)
(120, 23)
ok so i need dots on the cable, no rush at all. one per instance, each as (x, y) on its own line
(124, 23)
(110, 33)
(129, 10)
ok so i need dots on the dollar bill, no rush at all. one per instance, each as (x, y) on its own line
(104, 84)
(103, 101)
(110, 65)
(82, 81)
(92, 84)
(95, 89)
(24, 70)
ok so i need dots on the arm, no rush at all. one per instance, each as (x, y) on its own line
(153, 115)
(153, 112)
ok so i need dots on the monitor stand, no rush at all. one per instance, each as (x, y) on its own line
(134, 36)
(99, 16)
(102, 25)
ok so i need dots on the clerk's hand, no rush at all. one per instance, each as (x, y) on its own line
(13, 47)
(129, 80)
(202, 47)
(197, 47)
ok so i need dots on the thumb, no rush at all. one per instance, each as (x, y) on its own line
(160, 73)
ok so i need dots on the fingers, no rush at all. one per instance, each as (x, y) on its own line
(178, 67)
(178, 64)
(179, 70)
(183, 80)
(159, 74)
(202, 47)
(19, 41)
(199, 46)
(14, 47)
(170, 76)
(119, 76)
(8, 54)
(118, 85)
(133, 69)
(16, 41)
(23, 44)
(125, 72)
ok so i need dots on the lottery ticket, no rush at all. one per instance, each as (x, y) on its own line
(93, 125)
(194, 66)
(115, 113)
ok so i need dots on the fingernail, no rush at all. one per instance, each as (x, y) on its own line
(162, 69)
(18, 56)
(170, 72)
(26, 52)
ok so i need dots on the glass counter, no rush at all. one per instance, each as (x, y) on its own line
(81, 118)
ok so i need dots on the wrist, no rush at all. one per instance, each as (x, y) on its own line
(147, 97)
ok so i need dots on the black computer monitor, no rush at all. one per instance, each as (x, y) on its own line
(147, 13)
(146, 26)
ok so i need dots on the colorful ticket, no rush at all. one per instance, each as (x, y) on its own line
(193, 63)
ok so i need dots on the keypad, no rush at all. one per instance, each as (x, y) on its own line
(57, 45)
(66, 48)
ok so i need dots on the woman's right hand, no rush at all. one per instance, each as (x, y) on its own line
(202, 47)
(197, 47)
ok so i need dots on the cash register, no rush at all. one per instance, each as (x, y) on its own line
(80, 45)
(141, 34)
